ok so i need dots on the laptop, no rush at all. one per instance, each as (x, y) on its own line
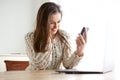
(92, 64)
(84, 67)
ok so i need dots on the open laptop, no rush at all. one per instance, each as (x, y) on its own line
(92, 65)
(86, 68)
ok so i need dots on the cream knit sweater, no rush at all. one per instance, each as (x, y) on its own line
(51, 59)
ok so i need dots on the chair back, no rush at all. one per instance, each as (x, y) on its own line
(15, 65)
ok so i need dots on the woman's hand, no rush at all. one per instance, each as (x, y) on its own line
(80, 42)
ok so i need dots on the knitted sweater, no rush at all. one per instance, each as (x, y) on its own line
(53, 58)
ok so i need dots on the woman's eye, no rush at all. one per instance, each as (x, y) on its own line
(51, 23)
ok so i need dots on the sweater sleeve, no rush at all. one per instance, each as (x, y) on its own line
(70, 59)
(38, 61)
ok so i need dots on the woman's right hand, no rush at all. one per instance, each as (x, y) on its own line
(80, 42)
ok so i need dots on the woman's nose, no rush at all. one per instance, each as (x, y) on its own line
(56, 25)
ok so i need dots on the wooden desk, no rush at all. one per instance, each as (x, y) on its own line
(52, 75)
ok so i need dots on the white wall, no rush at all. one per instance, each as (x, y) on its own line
(17, 17)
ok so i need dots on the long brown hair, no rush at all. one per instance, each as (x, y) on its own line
(41, 33)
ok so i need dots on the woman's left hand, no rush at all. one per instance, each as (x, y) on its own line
(80, 42)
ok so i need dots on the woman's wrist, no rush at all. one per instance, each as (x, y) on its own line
(80, 54)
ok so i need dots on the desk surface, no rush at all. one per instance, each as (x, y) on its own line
(52, 75)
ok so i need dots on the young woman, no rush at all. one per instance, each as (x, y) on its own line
(48, 46)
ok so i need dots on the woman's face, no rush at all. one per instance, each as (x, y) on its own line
(54, 23)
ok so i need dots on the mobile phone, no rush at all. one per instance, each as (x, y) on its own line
(83, 30)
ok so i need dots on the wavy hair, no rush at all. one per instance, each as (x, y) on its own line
(41, 33)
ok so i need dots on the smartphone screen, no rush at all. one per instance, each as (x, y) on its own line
(83, 30)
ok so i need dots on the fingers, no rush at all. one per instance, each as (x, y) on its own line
(80, 43)
(85, 35)
(81, 39)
